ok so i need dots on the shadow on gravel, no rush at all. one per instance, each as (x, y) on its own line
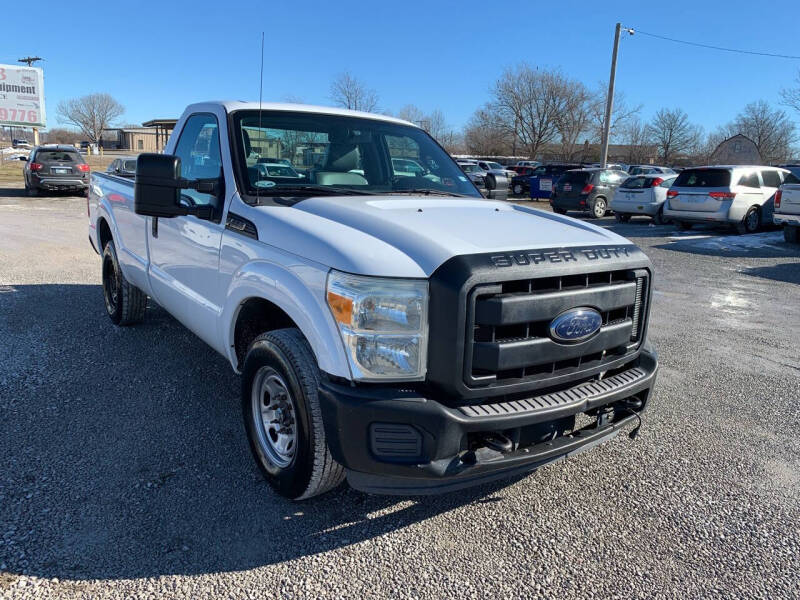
(19, 192)
(786, 272)
(123, 454)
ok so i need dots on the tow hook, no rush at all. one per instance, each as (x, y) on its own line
(497, 441)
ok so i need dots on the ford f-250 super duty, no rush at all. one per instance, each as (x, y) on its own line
(393, 327)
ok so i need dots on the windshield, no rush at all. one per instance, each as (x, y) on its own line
(295, 154)
(703, 178)
(471, 168)
(495, 165)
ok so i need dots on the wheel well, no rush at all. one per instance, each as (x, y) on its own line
(257, 316)
(103, 233)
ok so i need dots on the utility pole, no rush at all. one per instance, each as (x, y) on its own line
(29, 60)
(610, 99)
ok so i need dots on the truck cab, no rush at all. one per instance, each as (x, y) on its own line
(391, 326)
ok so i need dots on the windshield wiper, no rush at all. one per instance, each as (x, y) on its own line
(428, 192)
(318, 189)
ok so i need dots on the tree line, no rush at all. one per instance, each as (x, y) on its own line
(536, 113)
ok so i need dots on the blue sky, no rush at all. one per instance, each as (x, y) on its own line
(156, 57)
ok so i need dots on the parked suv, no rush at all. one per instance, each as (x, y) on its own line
(586, 190)
(541, 181)
(642, 195)
(55, 167)
(741, 196)
(648, 170)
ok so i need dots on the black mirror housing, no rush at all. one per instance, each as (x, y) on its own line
(157, 189)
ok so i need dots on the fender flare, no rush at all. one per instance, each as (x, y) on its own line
(302, 299)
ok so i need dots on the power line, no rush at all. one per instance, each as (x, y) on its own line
(770, 54)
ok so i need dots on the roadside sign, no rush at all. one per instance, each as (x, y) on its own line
(22, 96)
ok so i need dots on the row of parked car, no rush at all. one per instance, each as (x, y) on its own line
(745, 197)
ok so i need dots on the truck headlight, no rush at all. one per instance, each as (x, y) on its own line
(383, 323)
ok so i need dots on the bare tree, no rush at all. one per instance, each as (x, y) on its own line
(623, 113)
(411, 113)
(91, 114)
(673, 133)
(486, 135)
(349, 92)
(634, 134)
(530, 103)
(791, 96)
(61, 135)
(573, 122)
(770, 128)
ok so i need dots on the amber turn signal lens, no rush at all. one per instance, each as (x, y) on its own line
(341, 307)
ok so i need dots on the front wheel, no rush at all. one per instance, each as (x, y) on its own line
(125, 303)
(599, 208)
(283, 417)
(517, 189)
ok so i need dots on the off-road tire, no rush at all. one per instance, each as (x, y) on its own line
(125, 303)
(791, 233)
(312, 470)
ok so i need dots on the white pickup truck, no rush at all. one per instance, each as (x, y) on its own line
(787, 208)
(393, 327)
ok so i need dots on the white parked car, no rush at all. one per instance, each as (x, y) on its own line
(642, 195)
(736, 195)
(787, 208)
(496, 168)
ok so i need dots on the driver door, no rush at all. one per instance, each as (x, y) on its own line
(184, 251)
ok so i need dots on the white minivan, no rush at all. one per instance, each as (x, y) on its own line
(736, 195)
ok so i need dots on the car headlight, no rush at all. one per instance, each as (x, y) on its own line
(383, 323)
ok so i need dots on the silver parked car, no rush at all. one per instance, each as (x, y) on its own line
(496, 168)
(741, 196)
(648, 169)
(642, 195)
(125, 166)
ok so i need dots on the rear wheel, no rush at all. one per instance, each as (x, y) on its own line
(622, 218)
(283, 417)
(559, 211)
(658, 218)
(750, 222)
(598, 208)
(791, 233)
(31, 191)
(125, 303)
(517, 189)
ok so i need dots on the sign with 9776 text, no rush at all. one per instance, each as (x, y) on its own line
(21, 96)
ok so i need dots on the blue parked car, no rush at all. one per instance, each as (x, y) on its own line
(544, 177)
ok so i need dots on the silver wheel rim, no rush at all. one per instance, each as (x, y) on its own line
(518, 189)
(752, 220)
(274, 416)
(599, 208)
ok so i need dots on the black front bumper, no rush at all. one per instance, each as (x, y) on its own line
(397, 442)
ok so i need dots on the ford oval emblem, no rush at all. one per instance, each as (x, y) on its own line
(575, 325)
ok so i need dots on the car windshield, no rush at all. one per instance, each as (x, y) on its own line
(129, 165)
(470, 168)
(57, 156)
(495, 165)
(297, 154)
(703, 178)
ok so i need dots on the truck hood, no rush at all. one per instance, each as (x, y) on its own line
(408, 236)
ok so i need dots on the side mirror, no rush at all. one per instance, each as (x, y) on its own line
(157, 188)
(157, 191)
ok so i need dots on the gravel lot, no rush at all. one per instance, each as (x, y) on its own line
(125, 472)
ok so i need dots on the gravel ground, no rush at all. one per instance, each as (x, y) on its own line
(125, 472)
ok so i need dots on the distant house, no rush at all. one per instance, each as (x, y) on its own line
(736, 150)
(152, 136)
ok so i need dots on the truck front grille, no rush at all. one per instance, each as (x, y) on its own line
(509, 321)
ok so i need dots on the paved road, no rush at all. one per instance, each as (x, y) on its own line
(124, 470)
